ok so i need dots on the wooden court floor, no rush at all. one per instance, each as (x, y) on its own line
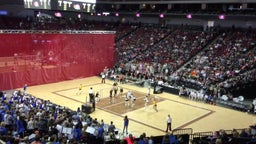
(185, 113)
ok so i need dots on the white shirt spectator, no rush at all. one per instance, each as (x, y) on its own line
(103, 75)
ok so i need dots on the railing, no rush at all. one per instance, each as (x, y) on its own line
(57, 31)
(182, 131)
(200, 136)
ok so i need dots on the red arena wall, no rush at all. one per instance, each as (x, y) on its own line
(45, 58)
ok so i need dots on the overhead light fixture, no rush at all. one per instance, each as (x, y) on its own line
(189, 16)
(222, 17)
(161, 15)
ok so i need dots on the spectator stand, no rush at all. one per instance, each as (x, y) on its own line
(182, 135)
(241, 106)
(166, 87)
(201, 137)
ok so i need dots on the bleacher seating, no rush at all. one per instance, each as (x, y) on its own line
(215, 60)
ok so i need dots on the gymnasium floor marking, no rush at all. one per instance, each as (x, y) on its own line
(104, 108)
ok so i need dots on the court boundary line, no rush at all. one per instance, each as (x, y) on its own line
(76, 87)
(150, 126)
(136, 121)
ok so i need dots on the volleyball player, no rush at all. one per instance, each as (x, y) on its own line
(127, 98)
(97, 97)
(155, 104)
(121, 91)
(132, 100)
(146, 99)
(111, 96)
(80, 90)
(115, 88)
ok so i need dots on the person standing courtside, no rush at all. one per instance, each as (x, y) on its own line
(25, 89)
(169, 123)
(126, 123)
(103, 77)
(91, 95)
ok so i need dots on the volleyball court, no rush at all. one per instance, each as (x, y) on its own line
(123, 102)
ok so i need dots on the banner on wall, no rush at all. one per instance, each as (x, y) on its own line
(44, 58)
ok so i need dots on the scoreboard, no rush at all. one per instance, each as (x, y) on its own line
(63, 5)
(74, 5)
(37, 4)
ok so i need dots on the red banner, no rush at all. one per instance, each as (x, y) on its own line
(45, 58)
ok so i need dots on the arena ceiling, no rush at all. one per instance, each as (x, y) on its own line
(20, 2)
(172, 1)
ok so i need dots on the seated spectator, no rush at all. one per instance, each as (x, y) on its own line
(37, 140)
(218, 141)
(142, 140)
(166, 139)
(100, 134)
(3, 130)
(111, 127)
(130, 139)
(150, 140)
(223, 136)
(243, 133)
(235, 133)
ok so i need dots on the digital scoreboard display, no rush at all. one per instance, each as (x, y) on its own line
(62, 5)
(37, 4)
(75, 5)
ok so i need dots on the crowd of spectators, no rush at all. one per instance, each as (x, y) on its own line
(163, 58)
(160, 58)
(210, 61)
(162, 51)
(212, 9)
(231, 54)
(177, 47)
(27, 119)
(52, 23)
(138, 41)
(235, 136)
